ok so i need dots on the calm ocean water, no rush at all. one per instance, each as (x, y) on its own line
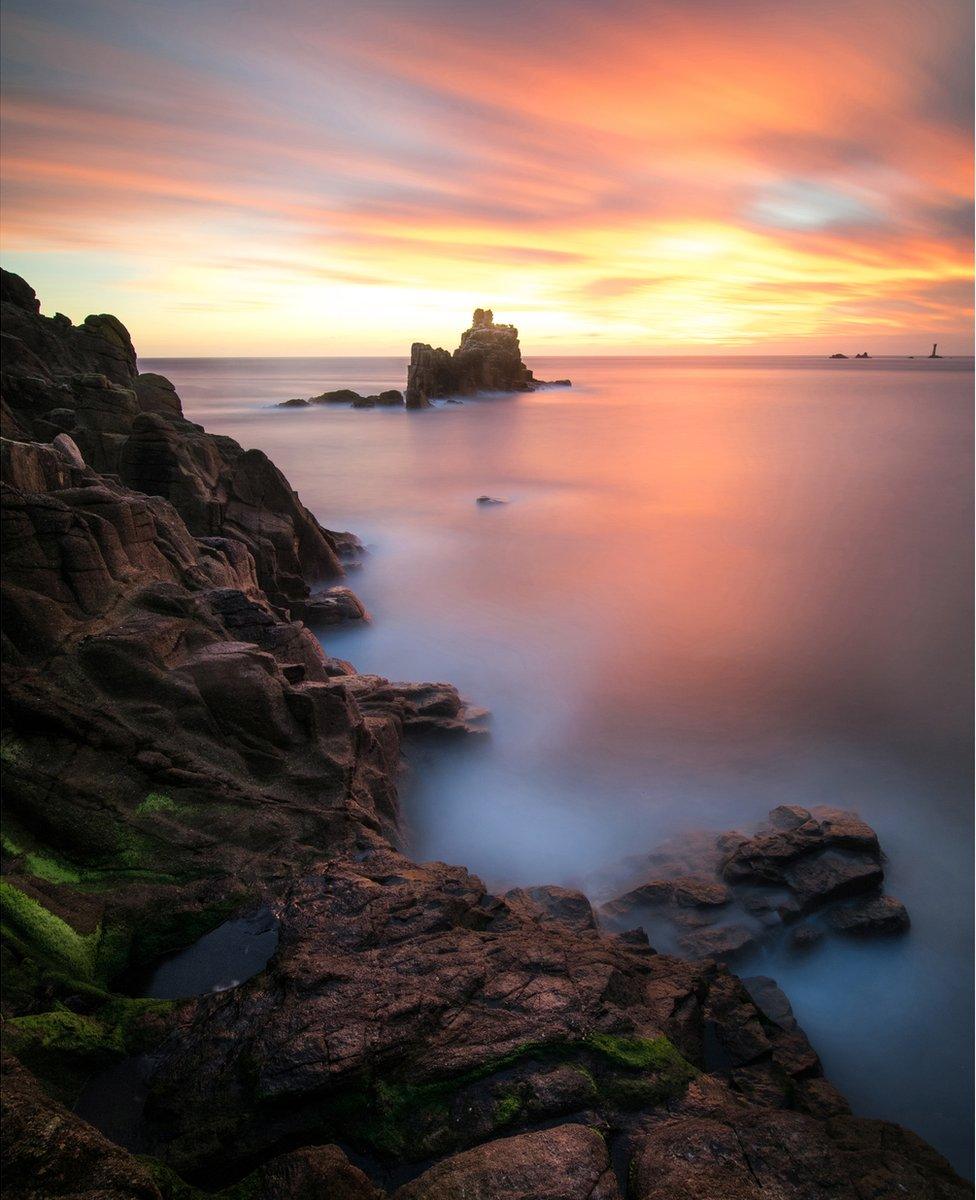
(718, 585)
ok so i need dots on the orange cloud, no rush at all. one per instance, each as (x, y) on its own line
(668, 177)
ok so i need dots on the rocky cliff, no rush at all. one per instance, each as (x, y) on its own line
(178, 747)
(487, 360)
(84, 381)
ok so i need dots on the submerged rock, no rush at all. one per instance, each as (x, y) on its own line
(490, 500)
(339, 396)
(877, 915)
(723, 942)
(488, 359)
(799, 861)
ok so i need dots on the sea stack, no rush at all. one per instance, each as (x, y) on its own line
(487, 360)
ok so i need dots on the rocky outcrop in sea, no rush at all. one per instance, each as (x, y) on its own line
(488, 359)
(179, 749)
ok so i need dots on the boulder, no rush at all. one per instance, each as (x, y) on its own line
(722, 942)
(333, 606)
(798, 861)
(871, 916)
(569, 1162)
(550, 903)
(69, 451)
(311, 1173)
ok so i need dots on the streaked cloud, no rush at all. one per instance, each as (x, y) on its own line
(646, 176)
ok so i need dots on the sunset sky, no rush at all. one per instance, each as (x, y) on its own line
(323, 178)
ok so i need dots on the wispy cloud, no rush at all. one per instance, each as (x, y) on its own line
(649, 176)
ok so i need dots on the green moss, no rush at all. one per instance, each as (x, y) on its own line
(65, 1048)
(46, 934)
(51, 869)
(155, 802)
(413, 1120)
(507, 1109)
(12, 751)
(642, 1054)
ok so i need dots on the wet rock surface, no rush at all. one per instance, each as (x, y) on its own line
(488, 359)
(722, 894)
(179, 750)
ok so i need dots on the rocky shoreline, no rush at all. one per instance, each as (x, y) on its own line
(178, 748)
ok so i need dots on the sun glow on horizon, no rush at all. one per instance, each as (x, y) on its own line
(664, 178)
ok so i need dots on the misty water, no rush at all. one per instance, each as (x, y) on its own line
(718, 585)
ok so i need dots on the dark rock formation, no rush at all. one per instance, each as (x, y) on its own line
(487, 360)
(390, 398)
(838, 356)
(177, 749)
(721, 893)
(340, 396)
(490, 500)
(935, 348)
(84, 381)
(863, 354)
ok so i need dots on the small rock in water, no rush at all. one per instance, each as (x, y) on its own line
(339, 396)
(805, 937)
(297, 402)
(876, 916)
(490, 500)
(722, 942)
(333, 606)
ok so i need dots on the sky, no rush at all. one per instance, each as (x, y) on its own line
(309, 177)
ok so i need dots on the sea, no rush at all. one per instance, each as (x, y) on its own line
(715, 585)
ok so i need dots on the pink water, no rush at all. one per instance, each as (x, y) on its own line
(718, 585)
